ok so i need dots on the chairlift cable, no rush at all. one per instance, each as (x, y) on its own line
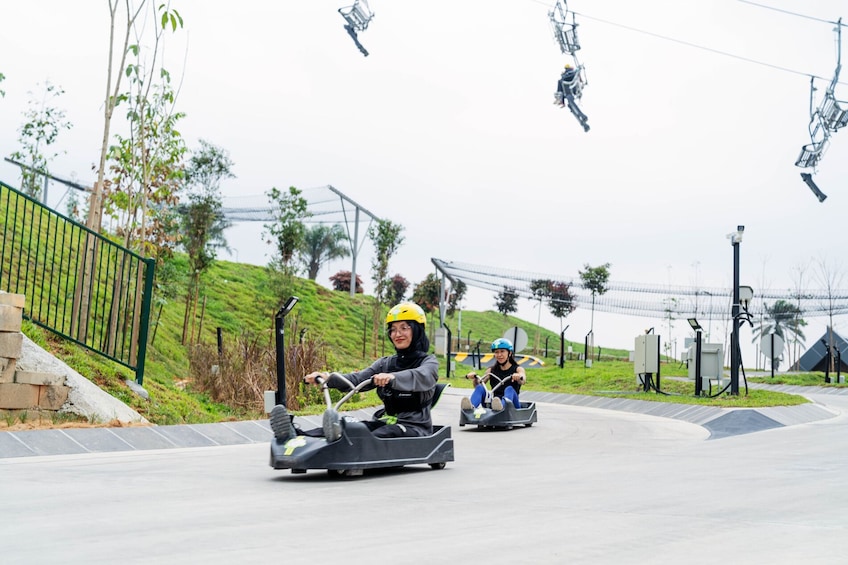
(705, 48)
(796, 14)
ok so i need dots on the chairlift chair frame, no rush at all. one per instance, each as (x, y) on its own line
(828, 117)
(565, 34)
(356, 16)
(812, 152)
(575, 85)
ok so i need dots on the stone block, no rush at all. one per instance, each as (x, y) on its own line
(35, 378)
(16, 300)
(14, 396)
(7, 370)
(10, 318)
(52, 397)
(11, 344)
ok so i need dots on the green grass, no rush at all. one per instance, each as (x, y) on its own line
(616, 379)
(243, 299)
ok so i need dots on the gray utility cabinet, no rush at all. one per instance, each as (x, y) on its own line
(712, 362)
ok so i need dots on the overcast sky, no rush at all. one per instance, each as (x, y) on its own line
(448, 128)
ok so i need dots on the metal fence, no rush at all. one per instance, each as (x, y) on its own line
(78, 283)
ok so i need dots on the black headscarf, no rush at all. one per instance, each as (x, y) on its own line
(419, 348)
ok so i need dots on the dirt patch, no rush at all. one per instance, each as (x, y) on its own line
(47, 424)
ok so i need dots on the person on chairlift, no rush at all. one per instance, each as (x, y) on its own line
(567, 77)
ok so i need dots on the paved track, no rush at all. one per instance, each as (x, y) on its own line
(584, 485)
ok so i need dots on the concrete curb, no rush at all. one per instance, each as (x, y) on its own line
(720, 422)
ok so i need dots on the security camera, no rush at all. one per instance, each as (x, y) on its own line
(808, 178)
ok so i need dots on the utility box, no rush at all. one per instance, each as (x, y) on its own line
(441, 345)
(712, 362)
(646, 354)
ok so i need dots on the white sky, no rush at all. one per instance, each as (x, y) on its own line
(448, 128)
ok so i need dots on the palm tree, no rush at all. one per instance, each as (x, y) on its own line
(783, 319)
(322, 243)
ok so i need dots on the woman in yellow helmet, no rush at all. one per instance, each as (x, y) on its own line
(405, 382)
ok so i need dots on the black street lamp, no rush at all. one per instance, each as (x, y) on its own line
(697, 327)
(279, 331)
(735, 239)
(562, 347)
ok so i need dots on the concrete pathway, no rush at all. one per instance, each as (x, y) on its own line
(720, 422)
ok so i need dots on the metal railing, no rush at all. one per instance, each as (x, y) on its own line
(78, 283)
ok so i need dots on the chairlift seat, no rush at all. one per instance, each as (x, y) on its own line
(566, 37)
(565, 34)
(356, 16)
(832, 114)
(810, 155)
(575, 85)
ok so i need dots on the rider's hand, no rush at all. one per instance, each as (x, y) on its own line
(382, 379)
(311, 377)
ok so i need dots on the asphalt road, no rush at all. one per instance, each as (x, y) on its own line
(583, 485)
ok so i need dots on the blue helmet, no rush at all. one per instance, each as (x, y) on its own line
(502, 343)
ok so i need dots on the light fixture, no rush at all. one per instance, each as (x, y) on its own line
(695, 325)
(736, 237)
(746, 293)
(287, 306)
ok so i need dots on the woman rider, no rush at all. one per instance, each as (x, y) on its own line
(505, 370)
(405, 382)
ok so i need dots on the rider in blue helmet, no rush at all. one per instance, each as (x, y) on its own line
(505, 370)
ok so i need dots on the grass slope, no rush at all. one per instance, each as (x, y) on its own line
(243, 299)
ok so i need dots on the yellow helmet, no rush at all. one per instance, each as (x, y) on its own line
(406, 311)
(569, 66)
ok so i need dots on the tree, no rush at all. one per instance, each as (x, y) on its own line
(168, 17)
(207, 167)
(341, 281)
(398, 286)
(594, 279)
(286, 233)
(386, 237)
(322, 243)
(782, 318)
(2, 92)
(541, 290)
(561, 301)
(506, 301)
(455, 296)
(799, 295)
(43, 123)
(202, 224)
(670, 309)
(426, 293)
(147, 164)
(830, 277)
(154, 167)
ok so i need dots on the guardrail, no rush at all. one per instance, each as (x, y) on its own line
(78, 284)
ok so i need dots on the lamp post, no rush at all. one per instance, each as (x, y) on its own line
(697, 327)
(735, 240)
(279, 331)
(562, 347)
